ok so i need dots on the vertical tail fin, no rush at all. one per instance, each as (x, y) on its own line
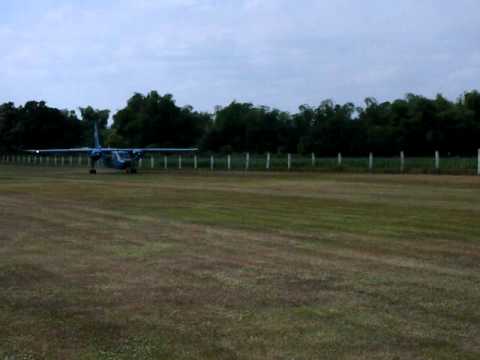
(95, 135)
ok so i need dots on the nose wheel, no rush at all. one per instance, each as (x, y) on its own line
(130, 171)
(93, 171)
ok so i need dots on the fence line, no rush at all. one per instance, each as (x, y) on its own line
(279, 162)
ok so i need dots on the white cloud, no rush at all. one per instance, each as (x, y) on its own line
(208, 52)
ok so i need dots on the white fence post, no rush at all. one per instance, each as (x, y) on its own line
(40, 160)
(165, 162)
(63, 161)
(71, 160)
(289, 161)
(478, 163)
(267, 166)
(339, 159)
(402, 161)
(229, 162)
(370, 162)
(313, 160)
(437, 161)
(79, 159)
(212, 163)
(247, 161)
(152, 162)
(179, 162)
(195, 162)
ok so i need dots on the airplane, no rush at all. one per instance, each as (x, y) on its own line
(116, 158)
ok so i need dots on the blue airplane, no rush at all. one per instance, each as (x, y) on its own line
(120, 159)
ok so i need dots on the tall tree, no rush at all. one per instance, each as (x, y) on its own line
(156, 121)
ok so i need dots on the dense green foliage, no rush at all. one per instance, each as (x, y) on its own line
(414, 124)
(36, 125)
(154, 121)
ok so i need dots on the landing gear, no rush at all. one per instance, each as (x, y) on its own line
(130, 171)
(93, 162)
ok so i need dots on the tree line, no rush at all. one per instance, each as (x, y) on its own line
(415, 124)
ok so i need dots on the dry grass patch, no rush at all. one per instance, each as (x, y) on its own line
(235, 266)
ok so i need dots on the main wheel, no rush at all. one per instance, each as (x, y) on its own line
(134, 171)
(93, 171)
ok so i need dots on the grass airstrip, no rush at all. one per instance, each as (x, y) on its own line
(185, 265)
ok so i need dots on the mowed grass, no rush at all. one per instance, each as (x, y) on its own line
(185, 265)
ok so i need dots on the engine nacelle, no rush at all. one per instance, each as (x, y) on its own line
(95, 155)
(138, 154)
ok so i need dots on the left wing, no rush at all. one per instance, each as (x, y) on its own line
(60, 151)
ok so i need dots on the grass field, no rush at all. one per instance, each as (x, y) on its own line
(186, 265)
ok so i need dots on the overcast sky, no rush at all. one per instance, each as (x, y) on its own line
(280, 53)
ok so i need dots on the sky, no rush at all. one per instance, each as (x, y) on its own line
(279, 53)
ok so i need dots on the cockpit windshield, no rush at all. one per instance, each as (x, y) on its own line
(123, 155)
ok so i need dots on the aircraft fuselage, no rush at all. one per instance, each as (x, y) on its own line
(120, 160)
